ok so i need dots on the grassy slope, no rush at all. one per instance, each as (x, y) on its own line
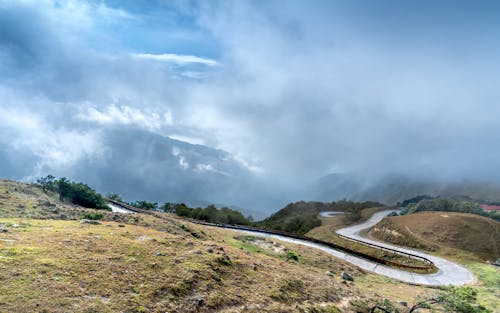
(143, 263)
(465, 238)
(434, 230)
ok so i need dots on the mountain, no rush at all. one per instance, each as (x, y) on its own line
(393, 189)
(141, 165)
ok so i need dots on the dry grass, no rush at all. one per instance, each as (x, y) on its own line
(433, 231)
(145, 263)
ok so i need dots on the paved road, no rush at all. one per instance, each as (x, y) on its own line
(330, 213)
(118, 209)
(449, 273)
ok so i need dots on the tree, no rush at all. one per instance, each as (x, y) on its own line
(47, 183)
(114, 196)
(145, 205)
(77, 193)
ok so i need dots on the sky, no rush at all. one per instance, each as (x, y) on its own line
(291, 90)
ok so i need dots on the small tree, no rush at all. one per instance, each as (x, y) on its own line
(145, 205)
(114, 196)
(47, 183)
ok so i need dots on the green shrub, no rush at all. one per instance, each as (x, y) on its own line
(76, 193)
(292, 255)
(209, 214)
(448, 205)
(93, 216)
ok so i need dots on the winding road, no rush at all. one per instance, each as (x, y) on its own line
(449, 273)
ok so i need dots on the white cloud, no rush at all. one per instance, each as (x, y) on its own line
(183, 162)
(180, 59)
(56, 147)
(188, 139)
(126, 115)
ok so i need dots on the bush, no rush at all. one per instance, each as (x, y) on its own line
(448, 205)
(209, 214)
(81, 194)
(292, 255)
(93, 216)
(76, 193)
(145, 205)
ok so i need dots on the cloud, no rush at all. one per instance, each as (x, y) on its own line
(56, 149)
(290, 92)
(178, 59)
(125, 115)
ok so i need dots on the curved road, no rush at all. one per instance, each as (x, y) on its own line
(330, 213)
(449, 273)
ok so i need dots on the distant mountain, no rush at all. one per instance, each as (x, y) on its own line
(141, 165)
(393, 189)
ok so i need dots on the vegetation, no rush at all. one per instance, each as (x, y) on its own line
(154, 263)
(300, 217)
(114, 196)
(415, 199)
(448, 205)
(93, 216)
(209, 214)
(145, 205)
(451, 299)
(76, 193)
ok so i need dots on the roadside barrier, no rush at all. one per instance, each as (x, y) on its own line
(428, 263)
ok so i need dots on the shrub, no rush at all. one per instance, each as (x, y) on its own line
(145, 205)
(76, 193)
(93, 216)
(292, 255)
(209, 214)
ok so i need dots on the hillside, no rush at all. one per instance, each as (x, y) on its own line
(300, 217)
(434, 231)
(53, 261)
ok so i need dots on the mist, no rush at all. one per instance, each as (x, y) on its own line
(255, 100)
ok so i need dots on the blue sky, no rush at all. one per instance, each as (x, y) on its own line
(293, 90)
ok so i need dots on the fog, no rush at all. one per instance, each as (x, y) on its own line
(287, 92)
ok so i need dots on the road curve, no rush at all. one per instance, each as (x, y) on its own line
(449, 273)
(330, 213)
